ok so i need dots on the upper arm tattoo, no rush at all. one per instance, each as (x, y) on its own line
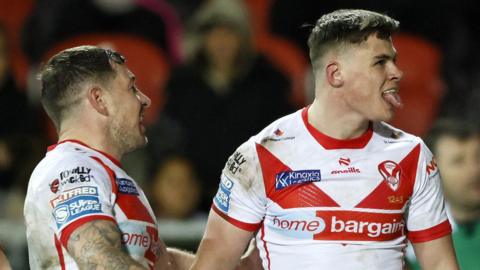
(97, 245)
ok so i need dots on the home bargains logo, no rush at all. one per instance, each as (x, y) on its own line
(297, 225)
(360, 226)
(288, 178)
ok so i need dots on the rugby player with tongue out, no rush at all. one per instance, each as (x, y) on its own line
(281, 184)
(360, 85)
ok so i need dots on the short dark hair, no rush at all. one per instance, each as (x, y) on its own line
(65, 71)
(451, 127)
(352, 26)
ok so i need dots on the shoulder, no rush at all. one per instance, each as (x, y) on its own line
(66, 165)
(282, 129)
(391, 135)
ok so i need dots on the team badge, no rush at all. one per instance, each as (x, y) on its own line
(391, 173)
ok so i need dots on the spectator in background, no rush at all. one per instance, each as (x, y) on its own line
(224, 93)
(20, 144)
(54, 20)
(456, 144)
(175, 191)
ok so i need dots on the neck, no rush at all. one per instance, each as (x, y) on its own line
(91, 137)
(331, 119)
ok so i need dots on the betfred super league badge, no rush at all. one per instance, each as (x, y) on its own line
(391, 173)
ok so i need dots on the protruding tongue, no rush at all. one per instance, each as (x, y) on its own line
(394, 99)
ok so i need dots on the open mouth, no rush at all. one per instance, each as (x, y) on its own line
(392, 97)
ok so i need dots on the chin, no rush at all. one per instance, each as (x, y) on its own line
(385, 117)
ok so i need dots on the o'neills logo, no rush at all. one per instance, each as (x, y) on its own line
(348, 170)
(288, 178)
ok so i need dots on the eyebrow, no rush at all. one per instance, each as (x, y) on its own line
(383, 56)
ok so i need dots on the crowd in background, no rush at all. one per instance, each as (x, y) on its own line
(226, 69)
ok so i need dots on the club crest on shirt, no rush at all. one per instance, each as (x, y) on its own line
(288, 178)
(390, 172)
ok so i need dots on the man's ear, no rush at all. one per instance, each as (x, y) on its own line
(96, 98)
(334, 74)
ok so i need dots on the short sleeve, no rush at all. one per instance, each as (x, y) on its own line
(241, 197)
(83, 192)
(426, 216)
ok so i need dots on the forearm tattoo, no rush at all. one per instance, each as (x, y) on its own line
(97, 245)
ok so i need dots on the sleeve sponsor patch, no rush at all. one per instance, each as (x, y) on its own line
(80, 174)
(126, 186)
(222, 199)
(75, 203)
(235, 162)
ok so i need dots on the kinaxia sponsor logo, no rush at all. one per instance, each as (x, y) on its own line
(79, 174)
(288, 178)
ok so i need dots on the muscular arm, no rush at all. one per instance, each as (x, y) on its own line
(222, 245)
(183, 260)
(437, 254)
(96, 245)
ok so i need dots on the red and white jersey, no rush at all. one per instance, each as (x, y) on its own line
(75, 184)
(323, 203)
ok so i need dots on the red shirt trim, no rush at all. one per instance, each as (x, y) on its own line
(114, 160)
(111, 175)
(433, 233)
(58, 247)
(330, 143)
(77, 223)
(265, 245)
(237, 223)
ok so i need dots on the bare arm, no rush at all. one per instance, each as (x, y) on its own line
(4, 264)
(183, 260)
(251, 259)
(222, 245)
(96, 245)
(437, 254)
